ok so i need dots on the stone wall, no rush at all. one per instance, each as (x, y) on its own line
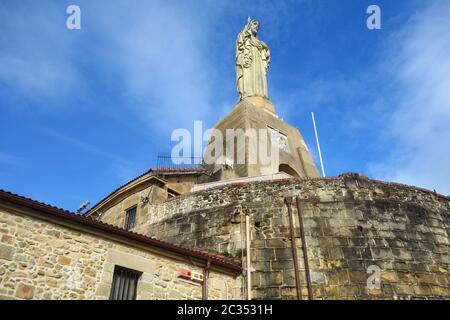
(44, 260)
(350, 223)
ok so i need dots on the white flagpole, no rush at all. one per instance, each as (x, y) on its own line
(318, 145)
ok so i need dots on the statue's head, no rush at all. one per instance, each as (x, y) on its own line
(252, 26)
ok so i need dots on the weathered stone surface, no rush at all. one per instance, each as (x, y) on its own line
(7, 252)
(24, 291)
(53, 262)
(350, 223)
(7, 239)
(64, 260)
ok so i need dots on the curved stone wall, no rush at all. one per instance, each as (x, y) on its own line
(353, 226)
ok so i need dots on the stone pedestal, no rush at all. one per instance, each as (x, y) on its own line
(259, 113)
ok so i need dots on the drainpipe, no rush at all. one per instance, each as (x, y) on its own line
(247, 248)
(226, 289)
(298, 287)
(305, 249)
(205, 280)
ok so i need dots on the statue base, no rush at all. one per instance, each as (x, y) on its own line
(260, 102)
(259, 113)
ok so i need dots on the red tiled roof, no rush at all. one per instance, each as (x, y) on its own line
(152, 170)
(214, 258)
(122, 186)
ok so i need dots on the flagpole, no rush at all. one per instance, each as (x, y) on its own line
(318, 144)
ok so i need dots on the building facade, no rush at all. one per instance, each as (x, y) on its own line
(231, 229)
(48, 253)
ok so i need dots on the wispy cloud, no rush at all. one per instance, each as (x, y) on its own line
(9, 159)
(85, 147)
(36, 66)
(159, 50)
(152, 55)
(418, 128)
(165, 64)
(122, 168)
(159, 58)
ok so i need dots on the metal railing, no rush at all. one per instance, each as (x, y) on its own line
(166, 161)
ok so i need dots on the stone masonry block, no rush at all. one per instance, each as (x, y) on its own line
(7, 252)
(24, 291)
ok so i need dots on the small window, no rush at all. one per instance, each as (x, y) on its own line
(172, 193)
(124, 284)
(130, 218)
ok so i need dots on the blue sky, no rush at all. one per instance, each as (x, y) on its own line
(83, 111)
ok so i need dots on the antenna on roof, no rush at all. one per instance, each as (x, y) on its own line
(83, 206)
(146, 198)
(318, 145)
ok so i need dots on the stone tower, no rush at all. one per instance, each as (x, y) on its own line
(258, 114)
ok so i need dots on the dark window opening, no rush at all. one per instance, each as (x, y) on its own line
(172, 193)
(124, 284)
(130, 218)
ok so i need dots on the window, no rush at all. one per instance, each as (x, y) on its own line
(130, 218)
(124, 284)
(172, 193)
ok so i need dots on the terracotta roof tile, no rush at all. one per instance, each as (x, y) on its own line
(214, 258)
(152, 170)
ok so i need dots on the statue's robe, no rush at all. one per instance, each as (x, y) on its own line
(252, 62)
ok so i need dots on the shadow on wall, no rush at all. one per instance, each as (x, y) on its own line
(288, 169)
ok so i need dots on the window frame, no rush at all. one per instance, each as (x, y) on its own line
(124, 279)
(126, 225)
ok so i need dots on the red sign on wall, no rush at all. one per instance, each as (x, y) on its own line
(184, 273)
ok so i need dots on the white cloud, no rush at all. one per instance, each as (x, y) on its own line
(38, 80)
(35, 56)
(419, 128)
(160, 51)
(79, 144)
(123, 168)
(161, 56)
